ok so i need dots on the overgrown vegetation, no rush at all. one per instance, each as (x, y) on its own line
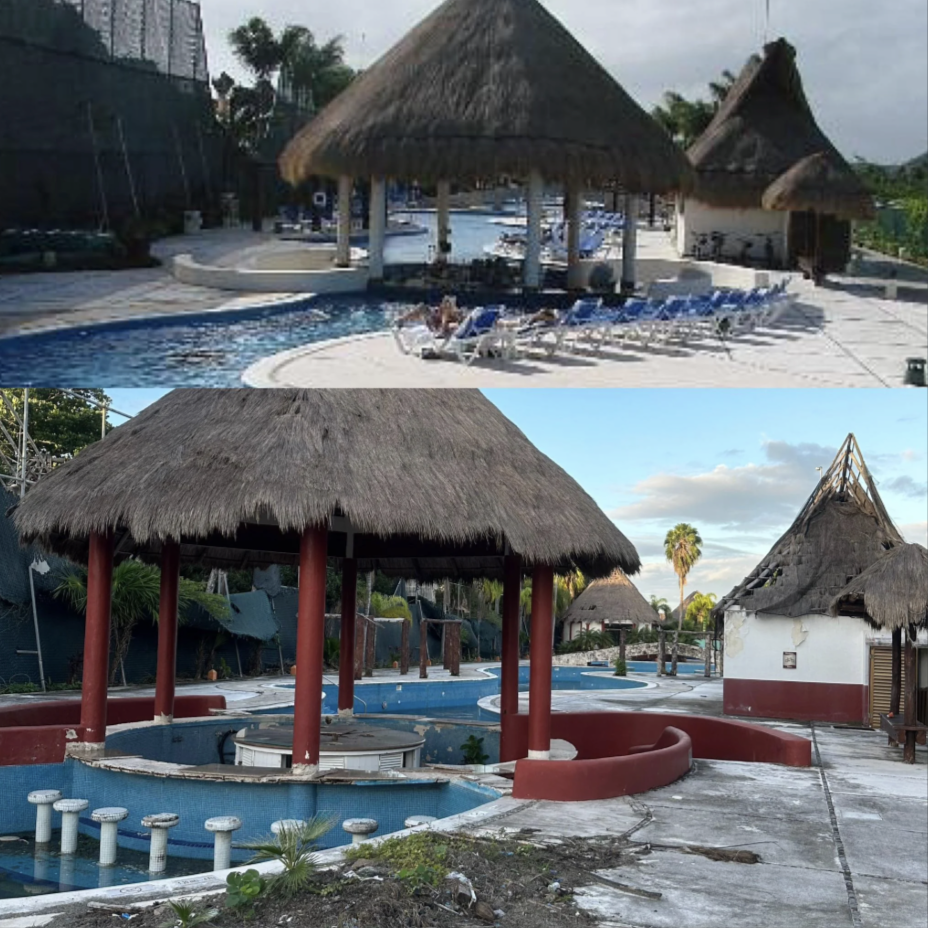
(621, 667)
(473, 751)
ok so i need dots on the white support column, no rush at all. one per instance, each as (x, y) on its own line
(535, 196)
(574, 221)
(630, 244)
(343, 248)
(378, 224)
(443, 204)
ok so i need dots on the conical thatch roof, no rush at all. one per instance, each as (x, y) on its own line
(842, 529)
(481, 89)
(764, 127)
(434, 483)
(891, 593)
(821, 184)
(614, 600)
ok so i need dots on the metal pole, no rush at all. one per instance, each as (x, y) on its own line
(25, 447)
(38, 639)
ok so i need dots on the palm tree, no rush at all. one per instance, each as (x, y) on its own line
(683, 548)
(316, 74)
(700, 613)
(136, 593)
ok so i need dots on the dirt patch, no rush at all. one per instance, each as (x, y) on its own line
(724, 854)
(515, 883)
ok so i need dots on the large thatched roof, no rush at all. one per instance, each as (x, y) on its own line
(764, 127)
(821, 184)
(435, 484)
(842, 529)
(614, 600)
(485, 88)
(891, 593)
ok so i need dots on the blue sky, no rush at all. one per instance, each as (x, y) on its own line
(738, 464)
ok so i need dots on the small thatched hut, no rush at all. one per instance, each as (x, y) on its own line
(763, 130)
(608, 604)
(893, 594)
(484, 89)
(424, 484)
(785, 657)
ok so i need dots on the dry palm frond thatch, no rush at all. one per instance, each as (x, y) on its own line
(434, 483)
(842, 529)
(892, 593)
(821, 184)
(482, 89)
(614, 600)
(764, 127)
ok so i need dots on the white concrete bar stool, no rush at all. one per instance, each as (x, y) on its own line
(109, 819)
(43, 800)
(70, 810)
(360, 829)
(414, 821)
(222, 828)
(159, 824)
(287, 824)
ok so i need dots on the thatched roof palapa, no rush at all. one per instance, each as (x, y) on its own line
(892, 593)
(434, 484)
(764, 127)
(842, 529)
(614, 600)
(824, 185)
(486, 88)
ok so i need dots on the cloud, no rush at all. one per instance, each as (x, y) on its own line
(746, 498)
(905, 486)
(915, 533)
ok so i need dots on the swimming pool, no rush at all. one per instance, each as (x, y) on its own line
(215, 349)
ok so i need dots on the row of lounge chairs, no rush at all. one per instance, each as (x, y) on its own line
(494, 331)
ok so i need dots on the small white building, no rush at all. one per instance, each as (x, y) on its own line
(761, 131)
(785, 657)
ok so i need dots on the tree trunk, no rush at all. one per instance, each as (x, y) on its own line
(661, 655)
(708, 669)
(676, 635)
(122, 638)
(622, 640)
(911, 693)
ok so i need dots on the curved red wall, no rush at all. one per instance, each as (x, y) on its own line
(607, 764)
(38, 733)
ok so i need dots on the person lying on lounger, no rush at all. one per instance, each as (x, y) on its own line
(443, 321)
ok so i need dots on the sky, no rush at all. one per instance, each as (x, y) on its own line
(736, 464)
(864, 63)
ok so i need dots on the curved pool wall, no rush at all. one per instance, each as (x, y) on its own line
(390, 802)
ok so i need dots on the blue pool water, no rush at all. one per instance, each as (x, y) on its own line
(214, 351)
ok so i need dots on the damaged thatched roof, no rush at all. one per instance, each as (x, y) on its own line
(486, 88)
(842, 529)
(821, 184)
(892, 593)
(433, 484)
(614, 600)
(764, 127)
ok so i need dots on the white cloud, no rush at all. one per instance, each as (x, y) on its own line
(915, 533)
(864, 63)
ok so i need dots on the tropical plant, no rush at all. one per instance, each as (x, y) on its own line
(686, 120)
(683, 548)
(390, 607)
(699, 612)
(186, 916)
(244, 890)
(660, 605)
(473, 751)
(588, 640)
(621, 667)
(136, 592)
(295, 850)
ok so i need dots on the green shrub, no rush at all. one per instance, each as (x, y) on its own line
(473, 752)
(390, 607)
(244, 890)
(621, 668)
(294, 849)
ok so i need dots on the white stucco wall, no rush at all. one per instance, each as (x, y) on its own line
(827, 650)
(698, 218)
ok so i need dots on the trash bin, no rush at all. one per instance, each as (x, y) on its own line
(915, 375)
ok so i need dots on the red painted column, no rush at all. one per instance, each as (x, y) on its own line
(346, 646)
(97, 640)
(509, 672)
(167, 633)
(310, 650)
(539, 690)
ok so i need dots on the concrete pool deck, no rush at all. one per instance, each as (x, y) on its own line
(844, 843)
(832, 337)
